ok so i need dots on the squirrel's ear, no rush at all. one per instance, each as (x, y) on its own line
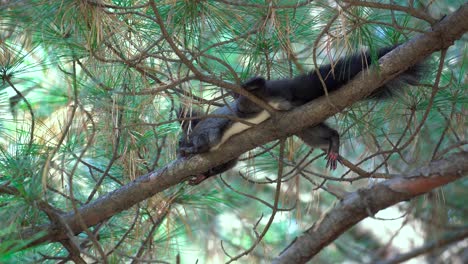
(251, 84)
(254, 83)
(184, 113)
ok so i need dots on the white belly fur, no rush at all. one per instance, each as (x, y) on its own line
(238, 127)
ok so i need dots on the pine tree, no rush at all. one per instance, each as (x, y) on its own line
(89, 170)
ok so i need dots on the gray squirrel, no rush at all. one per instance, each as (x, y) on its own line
(209, 133)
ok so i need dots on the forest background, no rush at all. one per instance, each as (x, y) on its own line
(89, 171)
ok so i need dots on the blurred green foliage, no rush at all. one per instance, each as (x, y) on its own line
(82, 112)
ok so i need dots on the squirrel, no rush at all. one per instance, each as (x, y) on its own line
(208, 134)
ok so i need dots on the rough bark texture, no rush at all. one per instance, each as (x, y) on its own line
(442, 36)
(358, 205)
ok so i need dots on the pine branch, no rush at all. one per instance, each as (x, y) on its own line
(366, 202)
(428, 247)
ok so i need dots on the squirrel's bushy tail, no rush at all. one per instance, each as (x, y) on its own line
(339, 73)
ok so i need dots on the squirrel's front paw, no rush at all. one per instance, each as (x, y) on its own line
(187, 151)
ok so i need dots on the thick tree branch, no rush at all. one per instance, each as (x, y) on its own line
(442, 36)
(358, 205)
